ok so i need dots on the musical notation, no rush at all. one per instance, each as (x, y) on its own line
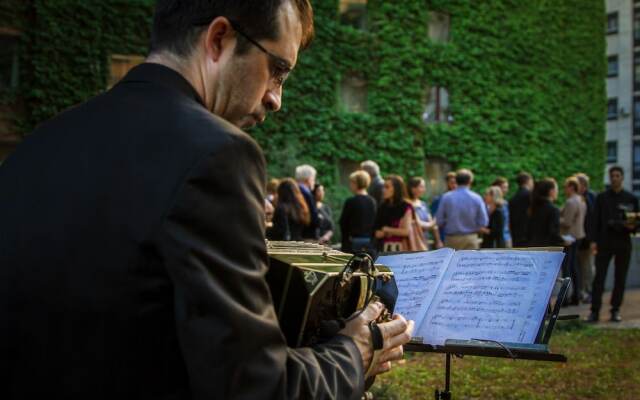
(497, 295)
(417, 276)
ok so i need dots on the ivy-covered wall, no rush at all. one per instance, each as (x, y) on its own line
(526, 82)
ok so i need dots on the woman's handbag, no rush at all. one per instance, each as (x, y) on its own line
(415, 240)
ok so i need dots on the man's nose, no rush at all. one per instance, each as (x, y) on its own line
(272, 99)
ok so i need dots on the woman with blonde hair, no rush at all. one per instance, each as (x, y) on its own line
(493, 234)
(358, 215)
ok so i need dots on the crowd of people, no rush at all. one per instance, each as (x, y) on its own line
(389, 215)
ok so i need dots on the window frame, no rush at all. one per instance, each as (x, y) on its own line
(610, 59)
(612, 158)
(616, 18)
(635, 163)
(362, 82)
(14, 75)
(610, 101)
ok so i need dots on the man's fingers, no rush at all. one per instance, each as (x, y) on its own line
(394, 354)
(394, 327)
(372, 311)
(401, 338)
(382, 368)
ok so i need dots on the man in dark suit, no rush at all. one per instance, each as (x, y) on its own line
(612, 239)
(519, 209)
(132, 255)
(306, 178)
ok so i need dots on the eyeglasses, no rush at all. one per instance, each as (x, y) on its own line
(280, 68)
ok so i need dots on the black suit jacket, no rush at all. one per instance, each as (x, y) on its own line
(519, 217)
(543, 229)
(132, 259)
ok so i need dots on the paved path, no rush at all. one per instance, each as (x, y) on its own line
(630, 310)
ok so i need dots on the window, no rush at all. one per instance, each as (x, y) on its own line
(354, 13)
(612, 22)
(435, 172)
(636, 115)
(612, 109)
(353, 94)
(612, 66)
(439, 26)
(636, 160)
(346, 168)
(636, 26)
(121, 64)
(437, 106)
(9, 59)
(636, 73)
(612, 152)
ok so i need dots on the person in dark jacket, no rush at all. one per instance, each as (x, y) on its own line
(613, 228)
(543, 229)
(358, 215)
(493, 234)
(291, 214)
(376, 186)
(393, 218)
(519, 209)
(132, 252)
(325, 215)
(306, 178)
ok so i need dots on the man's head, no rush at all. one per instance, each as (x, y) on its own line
(464, 177)
(502, 183)
(371, 167)
(236, 54)
(525, 180)
(306, 175)
(571, 186)
(583, 179)
(616, 178)
(451, 181)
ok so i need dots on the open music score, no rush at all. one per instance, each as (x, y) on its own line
(499, 295)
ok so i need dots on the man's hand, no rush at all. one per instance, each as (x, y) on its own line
(594, 248)
(395, 333)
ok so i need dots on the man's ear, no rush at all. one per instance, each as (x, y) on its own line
(219, 37)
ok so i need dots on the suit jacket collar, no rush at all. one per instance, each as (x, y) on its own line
(164, 76)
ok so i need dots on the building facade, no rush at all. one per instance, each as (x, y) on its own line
(623, 89)
(421, 86)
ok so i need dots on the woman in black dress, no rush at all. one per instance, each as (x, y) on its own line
(358, 215)
(543, 228)
(291, 214)
(394, 217)
(493, 234)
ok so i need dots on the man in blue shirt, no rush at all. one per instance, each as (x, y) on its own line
(461, 214)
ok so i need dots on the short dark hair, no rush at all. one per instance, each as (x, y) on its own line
(464, 177)
(499, 181)
(616, 168)
(523, 178)
(177, 24)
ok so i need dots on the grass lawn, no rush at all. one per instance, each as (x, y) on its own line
(602, 364)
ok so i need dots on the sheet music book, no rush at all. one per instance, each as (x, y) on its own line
(499, 295)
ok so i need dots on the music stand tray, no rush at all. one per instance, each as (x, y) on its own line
(538, 351)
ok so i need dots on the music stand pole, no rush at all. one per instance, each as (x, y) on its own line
(446, 394)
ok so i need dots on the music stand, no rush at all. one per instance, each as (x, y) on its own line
(538, 351)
